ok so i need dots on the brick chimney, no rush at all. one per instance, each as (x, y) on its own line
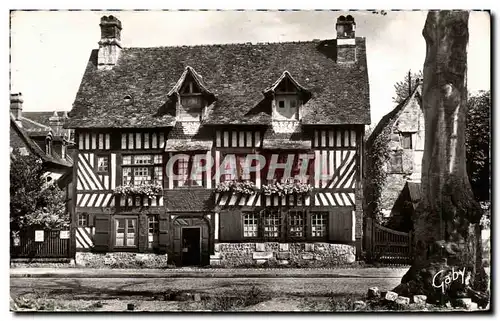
(16, 106)
(110, 43)
(346, 39)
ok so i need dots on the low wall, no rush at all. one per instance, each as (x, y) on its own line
(121, 260)
(282, 254)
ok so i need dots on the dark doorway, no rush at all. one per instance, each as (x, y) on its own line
(191, 252)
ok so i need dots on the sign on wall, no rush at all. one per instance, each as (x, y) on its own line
(63, 235)
(39, 236)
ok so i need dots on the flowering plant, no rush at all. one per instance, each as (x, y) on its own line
(240, 187)
(287, 188)
(148, 190)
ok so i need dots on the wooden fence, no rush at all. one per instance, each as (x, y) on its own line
(53, 246)
(388, 246)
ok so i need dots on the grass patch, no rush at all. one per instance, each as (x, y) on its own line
(40, 302)
(235, 301)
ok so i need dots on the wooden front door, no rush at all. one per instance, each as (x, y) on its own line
(191, 241)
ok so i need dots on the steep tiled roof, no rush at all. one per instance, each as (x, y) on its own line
(182, 139)
(22, 135)
(295, 140)
(189, 200)
(34, 127)
(237, 74)
(390, 118)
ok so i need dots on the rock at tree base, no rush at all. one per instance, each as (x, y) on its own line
(419, 299)
(403, 300)
(359, 305)
(373, 293)
(391, 296)
(463, 303)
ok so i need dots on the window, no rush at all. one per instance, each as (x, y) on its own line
(250, 225)
(48, 146)
(296, 223)
(183, 171)
(142, 169)
(318, 224)
(102, 164)
(287, 106)
(83, 220)
(272, 224)
(125, 232)
(191, 101)
(153, 231)
(239, 171)
(406, 142)
(396, 161)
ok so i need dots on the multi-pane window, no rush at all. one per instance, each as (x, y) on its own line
(125, 232)
(318, 224)
(102, 164)
(235, 170)
(153, 231)
(142, 169)
(250, 225)
(296, 223)
(83, 220)
(183, 171)
(272, 224)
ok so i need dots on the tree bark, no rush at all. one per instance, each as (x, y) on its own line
(447, 232)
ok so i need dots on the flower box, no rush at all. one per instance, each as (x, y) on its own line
(238, 187)
(287, 188)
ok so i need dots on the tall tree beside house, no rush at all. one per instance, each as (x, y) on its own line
(34, 202)
(477, 139)
(447, 231)
(405, 87)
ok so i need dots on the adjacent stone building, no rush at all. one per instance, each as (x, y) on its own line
(401, 134)
(144, 117)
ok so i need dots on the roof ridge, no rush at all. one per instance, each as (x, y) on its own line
(232, 44)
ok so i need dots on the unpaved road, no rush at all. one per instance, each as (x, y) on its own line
(147, 289)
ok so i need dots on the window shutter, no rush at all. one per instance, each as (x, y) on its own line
(102, 232)
(230, 226)
(163, 232)
(340, 224)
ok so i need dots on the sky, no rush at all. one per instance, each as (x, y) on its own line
(50, 49)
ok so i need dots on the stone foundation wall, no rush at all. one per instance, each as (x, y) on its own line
(282, 254)
(121, 260)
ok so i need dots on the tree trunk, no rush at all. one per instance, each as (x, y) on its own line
(447, 232)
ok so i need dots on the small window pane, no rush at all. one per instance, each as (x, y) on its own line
(126, 175)
(153, 231)
(142, 175)
(296, 223)
(281, 104)
(157, 159)
(250, 225)
(127, 160)
(83, 220)
(102, 164)
(143, 159)
(272, 224)
(318, 225)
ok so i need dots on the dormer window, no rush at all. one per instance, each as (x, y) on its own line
(191, 101)
(288, 98)
(48, 146)
(192, 96)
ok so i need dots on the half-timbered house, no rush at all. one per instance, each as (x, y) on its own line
(166, 138)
